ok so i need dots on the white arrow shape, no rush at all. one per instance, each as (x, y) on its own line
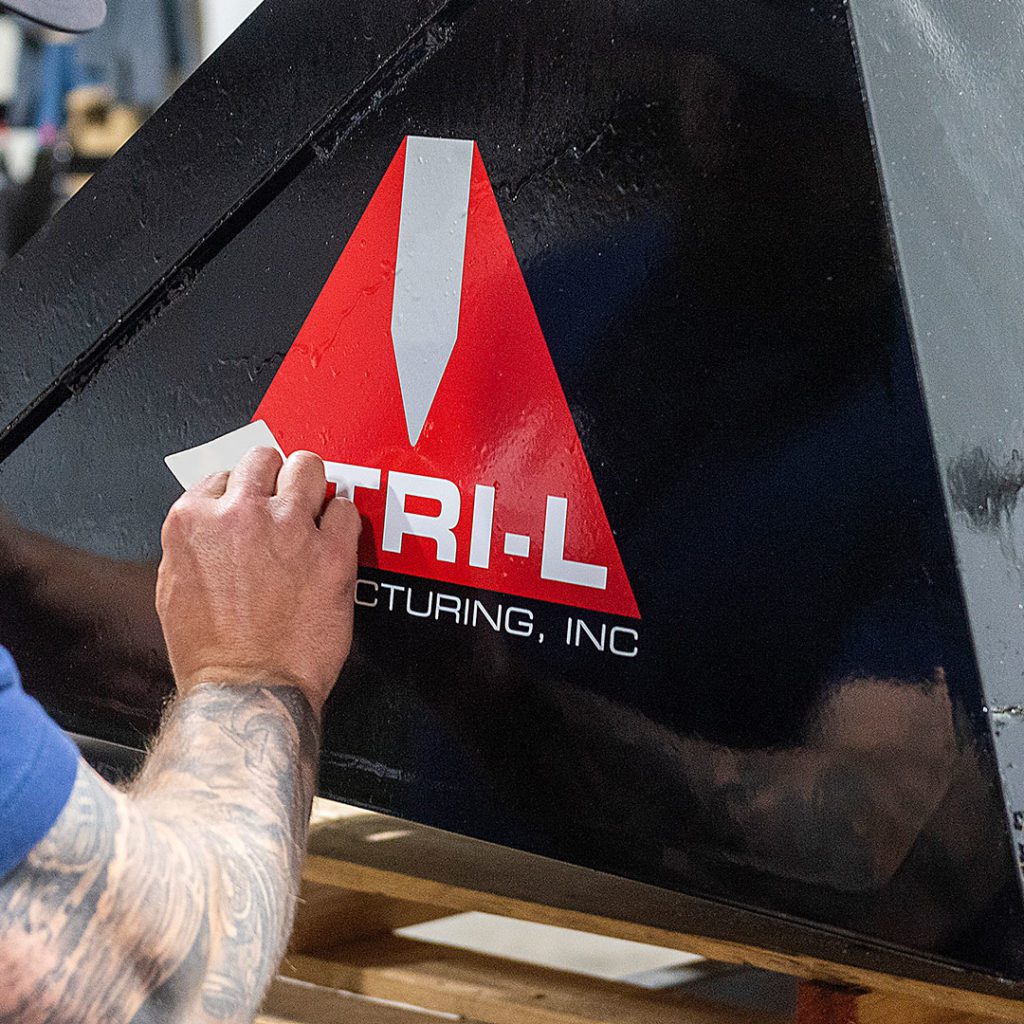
(428, 269)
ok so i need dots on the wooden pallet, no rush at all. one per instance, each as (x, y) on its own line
(368, 875)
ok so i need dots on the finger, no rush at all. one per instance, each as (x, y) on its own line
(341, 525)
(302, 483)
(256, 473)
(212, 486)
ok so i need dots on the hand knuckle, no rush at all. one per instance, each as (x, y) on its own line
(207, 481)
(175, 521)
(290, 514)
(238, 504)
(263, 453)
(305, 457)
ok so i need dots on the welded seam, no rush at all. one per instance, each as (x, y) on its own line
(319, 143)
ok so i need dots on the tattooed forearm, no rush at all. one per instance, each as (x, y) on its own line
(241, 763)
(172, 901)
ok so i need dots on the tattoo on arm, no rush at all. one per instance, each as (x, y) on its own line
(173, 901)
(240, 762)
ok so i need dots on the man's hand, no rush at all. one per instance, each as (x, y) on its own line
(173, 901)
(256, 585)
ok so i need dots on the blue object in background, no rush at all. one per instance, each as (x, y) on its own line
(59, 73)
(140, 53)
(38, 767)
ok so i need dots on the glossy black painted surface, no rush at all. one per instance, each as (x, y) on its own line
(691, 193)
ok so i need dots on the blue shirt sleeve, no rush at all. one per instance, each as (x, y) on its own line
(38, 766)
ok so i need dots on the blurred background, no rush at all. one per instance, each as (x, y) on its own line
(68, 103)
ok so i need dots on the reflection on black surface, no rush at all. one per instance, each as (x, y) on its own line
(880, 802)
(85, 633)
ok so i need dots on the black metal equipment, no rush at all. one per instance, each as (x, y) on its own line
(795, 371)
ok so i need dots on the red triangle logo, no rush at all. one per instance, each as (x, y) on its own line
(423, 376)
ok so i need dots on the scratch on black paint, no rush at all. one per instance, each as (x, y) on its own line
(252, 365)
(577, 151)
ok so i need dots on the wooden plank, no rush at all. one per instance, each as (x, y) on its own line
(827, 1004)
(292, 1002)
(438, 894)
(376, 854)
(830, 1004)
(881, 1008)
(495, 990)
(326, 916)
